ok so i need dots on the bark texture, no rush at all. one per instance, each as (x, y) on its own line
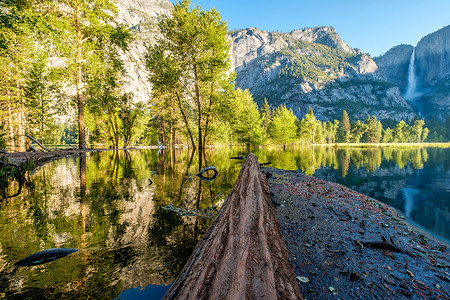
(243, 254)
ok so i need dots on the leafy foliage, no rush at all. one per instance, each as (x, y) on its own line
(282, 128)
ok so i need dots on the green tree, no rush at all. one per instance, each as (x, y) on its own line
(41, 90)
(191, 61)
(416, 131)
(344, 130)
(398, 133)
(246, 123)
(331, 131)
(358, 130)
(447, 126)
(265, 114)
(81, 29)
(111, 109)
(312, 124)
(387, 135)
(374, 130)
(425, 133)
(282, 128)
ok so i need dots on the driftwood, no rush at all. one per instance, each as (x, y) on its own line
(242, 255)
(204, 170)
(34, 140)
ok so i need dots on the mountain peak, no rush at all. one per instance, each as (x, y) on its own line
(325, 35)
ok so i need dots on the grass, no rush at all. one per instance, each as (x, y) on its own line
(369, 145)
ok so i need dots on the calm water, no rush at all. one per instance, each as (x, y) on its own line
(134, 237)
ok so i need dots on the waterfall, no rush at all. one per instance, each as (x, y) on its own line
(411, 88)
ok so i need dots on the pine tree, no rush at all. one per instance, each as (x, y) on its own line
(344, 130)
(374, 130)
(358, 130)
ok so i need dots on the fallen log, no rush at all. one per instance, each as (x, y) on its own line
(242, 255)
(34, 140)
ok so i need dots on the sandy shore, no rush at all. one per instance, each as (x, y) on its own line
(345, 245)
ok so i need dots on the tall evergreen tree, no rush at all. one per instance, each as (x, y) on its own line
(358, 130)
(373, 131)
(344, 130)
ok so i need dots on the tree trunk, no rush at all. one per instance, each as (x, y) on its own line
(21, 125)
(185, 120)
(10, 126)
(242, 255)
(79, 85)
(199, 117)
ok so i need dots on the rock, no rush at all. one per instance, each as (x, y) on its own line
(393, 65)
(432, 66)
(140, 16)
(433, 58)
(314, 67)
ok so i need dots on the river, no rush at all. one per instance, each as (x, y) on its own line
(137, 215)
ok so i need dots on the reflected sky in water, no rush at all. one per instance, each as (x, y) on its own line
(135, 237)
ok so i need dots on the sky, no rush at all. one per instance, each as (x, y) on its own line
(373, 26)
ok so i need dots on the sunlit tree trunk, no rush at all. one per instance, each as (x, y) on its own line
(79, 86)
(21, 126)
(186, 122)
(10, 125)
(199, 107)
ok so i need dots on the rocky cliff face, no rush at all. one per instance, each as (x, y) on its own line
(141, 17)
(433, 58)
(432, 64)
(394, 65)
(314, 67)
(433, 74)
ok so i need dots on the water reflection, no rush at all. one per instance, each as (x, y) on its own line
(132, 246)
(103, 205)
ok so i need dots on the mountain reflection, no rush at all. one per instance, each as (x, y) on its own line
(102, 203)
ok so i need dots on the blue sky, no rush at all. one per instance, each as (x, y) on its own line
(373, 26)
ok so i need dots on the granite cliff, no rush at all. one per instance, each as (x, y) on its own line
(393, 65)
(432, 76)
(141, 18)
(314, 67)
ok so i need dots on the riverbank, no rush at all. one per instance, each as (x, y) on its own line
(41, 158)
(345, 245)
